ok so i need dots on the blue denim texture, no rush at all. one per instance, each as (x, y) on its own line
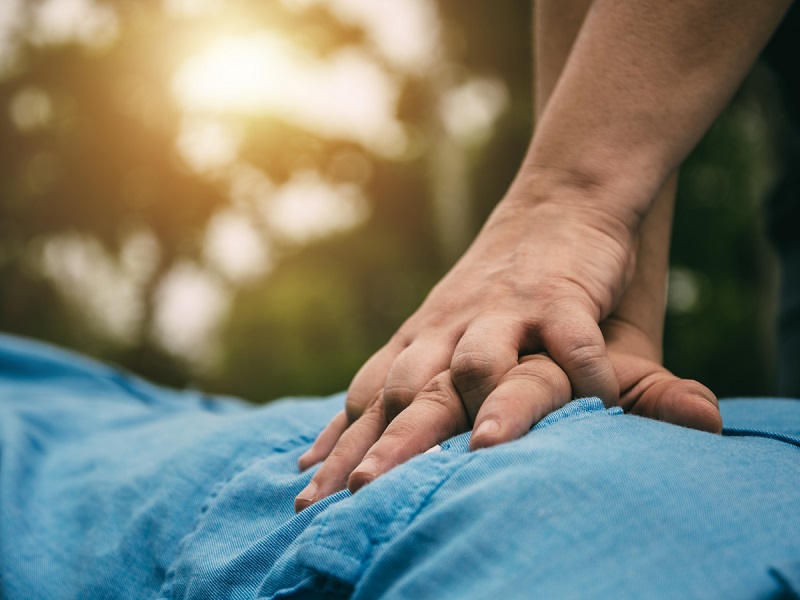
(111, 487)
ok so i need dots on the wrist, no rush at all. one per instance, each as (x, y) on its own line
(598, 185)
(578, 202)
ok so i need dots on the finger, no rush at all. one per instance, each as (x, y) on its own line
(345, 456)
(682, 402)
(370, 379)
(325, 441)
(574, 341)
(435, 415)
(488, 350)
(524, 396)
(413, 369)
(663, 396)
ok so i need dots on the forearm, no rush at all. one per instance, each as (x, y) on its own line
(541, 275)
(556, 25)
(643, 82)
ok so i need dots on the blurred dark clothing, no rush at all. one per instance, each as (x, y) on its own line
(783, 206)
(782, 55)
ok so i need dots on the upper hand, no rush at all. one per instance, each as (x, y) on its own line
(539, 277)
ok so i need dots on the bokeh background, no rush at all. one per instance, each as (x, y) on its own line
(251, 196)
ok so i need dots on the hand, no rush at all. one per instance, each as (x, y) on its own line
(539, 277)
(543, 272)
(648, 390)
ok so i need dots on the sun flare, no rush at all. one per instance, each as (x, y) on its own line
(347, 95)
(236, 74)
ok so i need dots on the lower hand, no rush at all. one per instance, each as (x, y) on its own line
(355, 455)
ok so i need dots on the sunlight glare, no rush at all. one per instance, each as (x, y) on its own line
(190, 306)
(193, 8)
(11, 20)
(104, 289)
(684, 290)
(235, 74)
(207, 145)
(31, 108)
(92, 24)
(406, 33)
(235, 247)
(248, 185)
(469, 111)
(309, 208)
(348, 96)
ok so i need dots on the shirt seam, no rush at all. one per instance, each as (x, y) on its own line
(761, 433)
(200, 516)
(377, 542)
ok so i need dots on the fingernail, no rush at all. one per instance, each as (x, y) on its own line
(487, 428)
(309, 493)
(362, 475)
(368, 467)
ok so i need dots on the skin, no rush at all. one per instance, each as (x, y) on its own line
(625, 89)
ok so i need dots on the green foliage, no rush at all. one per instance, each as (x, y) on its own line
(103, 166)
(725, 338)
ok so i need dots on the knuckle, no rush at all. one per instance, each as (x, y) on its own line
(584, 355)
(590, 372)
(360, 404)
(539, 377)
(396, 398)
(470, 370)
(355, 405)
(550, 293)
(399, 432)
(552, 380)
(550, 373)
(442, 400)
(351, 442)
(402, 338)
(439, 391)
(344, 449)
(374, 414)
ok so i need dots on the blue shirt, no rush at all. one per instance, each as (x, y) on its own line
(111, 487)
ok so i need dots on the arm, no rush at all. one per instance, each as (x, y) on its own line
(645, 80)
(557, 254)
(634, 332)
(556, 25)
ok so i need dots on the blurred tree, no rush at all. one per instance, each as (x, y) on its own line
(720, 321)
(251, 196)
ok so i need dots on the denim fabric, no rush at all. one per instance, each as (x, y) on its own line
(111, 487)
